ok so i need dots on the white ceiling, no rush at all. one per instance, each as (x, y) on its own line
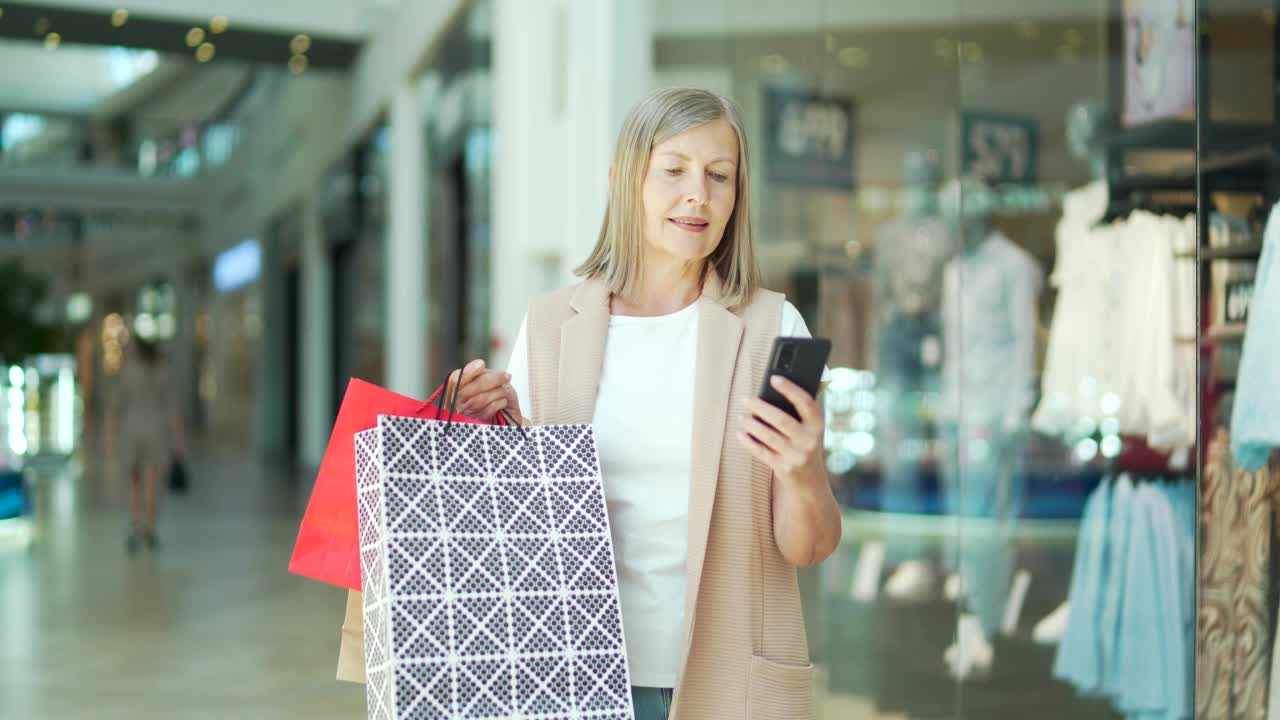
(350, 19)
(681, 17)
(71, 79)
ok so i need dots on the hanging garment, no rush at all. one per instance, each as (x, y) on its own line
(1079, 348)
(1255, 421)
(1233, 622)
(1079, 657)
(1132, 367)
(1156, 379)
(1153, 650)
(1129, 633)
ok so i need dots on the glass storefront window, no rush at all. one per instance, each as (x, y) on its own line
(992, 214)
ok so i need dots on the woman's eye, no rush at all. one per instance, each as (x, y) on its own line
(719, 177)
(673, 172)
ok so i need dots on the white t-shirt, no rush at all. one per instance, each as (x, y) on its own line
(644, 434)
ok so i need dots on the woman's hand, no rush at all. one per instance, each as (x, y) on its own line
(788, 446)
(806, 516)
(483, 393)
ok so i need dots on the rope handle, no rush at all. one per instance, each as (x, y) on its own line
(449, 388)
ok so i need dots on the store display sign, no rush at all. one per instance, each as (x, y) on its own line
(1000, 148)
(810, 139)
(238, 266)
(1159, 60)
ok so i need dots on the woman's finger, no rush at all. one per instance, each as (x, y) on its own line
(758, 451)
(776, 417)
(471, 371)
(492, 409)
(476, 403)
(481, 384)
(513, 400)
(804, 403)
(766, 435)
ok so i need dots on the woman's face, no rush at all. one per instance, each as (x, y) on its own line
(690, 190)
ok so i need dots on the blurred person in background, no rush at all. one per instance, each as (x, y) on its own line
(145, 427)
(663, 347)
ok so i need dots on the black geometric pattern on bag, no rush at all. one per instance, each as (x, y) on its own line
(512, 454)
(570, 451)
(461, 451)
(490, 587)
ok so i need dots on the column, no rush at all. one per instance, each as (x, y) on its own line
(182, 347)
(528, 100)
(270, 396)
(565, 74)
(406, 285)
(316, 401)
(610, 66)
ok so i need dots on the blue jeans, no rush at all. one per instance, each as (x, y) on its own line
(651, 703)
(985, 488)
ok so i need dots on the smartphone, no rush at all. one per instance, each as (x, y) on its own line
(800, 360)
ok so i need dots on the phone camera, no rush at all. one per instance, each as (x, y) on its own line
(787, 358)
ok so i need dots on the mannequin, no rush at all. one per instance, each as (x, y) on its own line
(990, 292)
(910, 255)
(1082, 208)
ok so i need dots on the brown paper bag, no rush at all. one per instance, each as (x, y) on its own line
(351, 652)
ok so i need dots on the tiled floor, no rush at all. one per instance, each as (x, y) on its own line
(213, 626)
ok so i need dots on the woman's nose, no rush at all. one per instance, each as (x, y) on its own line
(696, 193)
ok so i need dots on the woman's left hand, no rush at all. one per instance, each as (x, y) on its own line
(791, 448)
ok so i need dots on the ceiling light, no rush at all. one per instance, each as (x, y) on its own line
(971, 52)
(195, 36)
(218, 25)
(119, 17)
(298, 64)
(854, 57)
(206, 52)
(42, 26)
(300, 44)
(52, 40)
(1028, 29)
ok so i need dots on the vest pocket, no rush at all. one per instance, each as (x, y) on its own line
(776, 691)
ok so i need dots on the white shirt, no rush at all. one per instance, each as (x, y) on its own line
(988, 332)
(644, 434)
(1130, 368)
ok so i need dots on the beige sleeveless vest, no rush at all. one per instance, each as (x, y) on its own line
(745, 653)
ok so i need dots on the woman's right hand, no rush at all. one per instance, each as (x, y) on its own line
(483, 393)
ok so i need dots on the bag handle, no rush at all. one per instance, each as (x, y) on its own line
(449, 388)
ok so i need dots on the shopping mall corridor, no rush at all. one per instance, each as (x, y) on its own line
(209, 626)
(213, 626)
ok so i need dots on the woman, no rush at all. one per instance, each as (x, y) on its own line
(714, 496)
(150, 431)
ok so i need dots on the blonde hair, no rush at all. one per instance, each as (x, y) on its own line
(618, 256)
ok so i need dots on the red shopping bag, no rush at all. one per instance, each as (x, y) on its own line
(328, 546)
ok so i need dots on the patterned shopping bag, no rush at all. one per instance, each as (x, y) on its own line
(488, 571)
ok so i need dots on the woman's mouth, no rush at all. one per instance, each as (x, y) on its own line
(691, 224)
